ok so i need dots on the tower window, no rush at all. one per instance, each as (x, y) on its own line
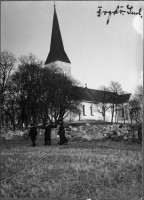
(84, 110)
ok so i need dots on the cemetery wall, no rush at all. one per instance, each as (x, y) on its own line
(86, 131)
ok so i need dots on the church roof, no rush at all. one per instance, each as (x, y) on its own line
(95, 96)
(57, 52)
(123, 98)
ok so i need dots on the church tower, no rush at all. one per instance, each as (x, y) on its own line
(57, 56)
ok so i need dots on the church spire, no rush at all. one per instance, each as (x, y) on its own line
(57, 52)
(54, 7)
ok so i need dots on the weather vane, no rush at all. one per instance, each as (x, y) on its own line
(54, 3)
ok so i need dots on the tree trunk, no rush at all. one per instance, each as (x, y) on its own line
(112, 113)
(45, 117)
(44, 122)
(131, 119)
(23, 115)
(56, 121)
(20, 124)
(49, 118)
(26, 122)
(14, 126)
(104, 118)
(34, 119)
(140, 132)
(115, 117)
(116, 113)
(34, 116)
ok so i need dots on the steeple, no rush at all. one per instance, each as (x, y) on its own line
(57, 52)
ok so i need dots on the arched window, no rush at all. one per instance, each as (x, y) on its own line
(122, 112)
(84, 114)
(91, 110)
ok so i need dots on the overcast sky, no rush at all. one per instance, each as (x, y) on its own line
(99, 52)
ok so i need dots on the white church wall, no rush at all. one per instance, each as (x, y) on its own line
(95, 115)
(87, 114)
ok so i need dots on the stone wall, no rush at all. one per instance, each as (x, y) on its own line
(103, 131)
(89, 132)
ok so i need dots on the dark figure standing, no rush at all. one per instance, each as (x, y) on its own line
(61, 133)
(33, 134)
(47, 133)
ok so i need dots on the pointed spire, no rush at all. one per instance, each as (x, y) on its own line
(57, 51)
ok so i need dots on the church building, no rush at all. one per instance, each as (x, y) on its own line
(57, 57)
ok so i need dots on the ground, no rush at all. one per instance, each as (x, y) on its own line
(79, 170)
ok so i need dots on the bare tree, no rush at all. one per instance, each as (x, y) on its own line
(43, 92)
(8, 61)
(139, 93)
(136, 105)
(134, 110)
(102, 101)
(116, 88)
(29, 59)
(63, 97)
(10, 106)
(28, 82)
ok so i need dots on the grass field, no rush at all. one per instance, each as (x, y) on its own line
(79, 170)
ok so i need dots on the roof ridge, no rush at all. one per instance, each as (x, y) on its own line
(89, 95)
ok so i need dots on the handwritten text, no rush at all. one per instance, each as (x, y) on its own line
(119, 9)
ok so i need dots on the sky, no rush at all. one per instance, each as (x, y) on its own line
(99, 52)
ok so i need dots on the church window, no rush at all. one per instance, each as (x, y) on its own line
(91, 110)
(126, 112)
(79, 116)
(84, 110)
(122, 112)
